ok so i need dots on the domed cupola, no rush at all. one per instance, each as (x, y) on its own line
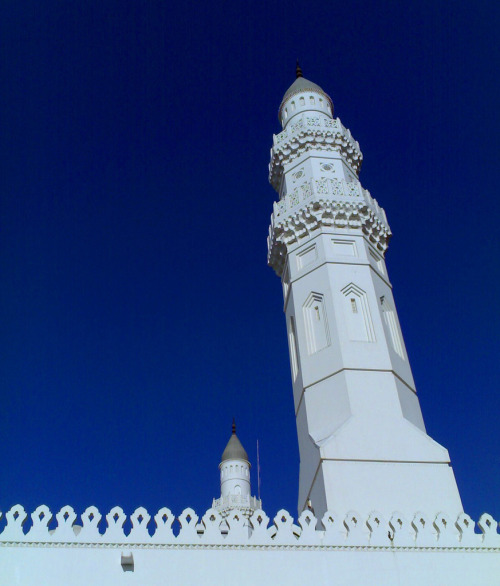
(303, 96)
(234, 450)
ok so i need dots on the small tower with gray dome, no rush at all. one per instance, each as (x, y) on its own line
(235, 485)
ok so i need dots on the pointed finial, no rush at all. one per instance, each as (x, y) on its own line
(298, 70)
(234, 427)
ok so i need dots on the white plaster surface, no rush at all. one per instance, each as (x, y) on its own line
(186, 567)
(341, 550)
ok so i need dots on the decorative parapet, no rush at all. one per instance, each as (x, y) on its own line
(312, 132)
(320, 203)
(188, 530)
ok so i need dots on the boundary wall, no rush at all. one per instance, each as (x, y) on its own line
(188, 549)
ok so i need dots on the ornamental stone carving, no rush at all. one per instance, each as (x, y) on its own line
(311, 132)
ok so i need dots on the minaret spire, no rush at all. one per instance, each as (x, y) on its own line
(298, 70)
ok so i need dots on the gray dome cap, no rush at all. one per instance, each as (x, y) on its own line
(301, 84)
(234, 450)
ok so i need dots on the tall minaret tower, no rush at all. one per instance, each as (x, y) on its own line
(362, 439)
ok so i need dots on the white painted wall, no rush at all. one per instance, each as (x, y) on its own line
(349, 550)
(156, 567)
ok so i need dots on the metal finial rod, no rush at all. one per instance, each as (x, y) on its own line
(258, 472)
(234, 427)
(298, 70)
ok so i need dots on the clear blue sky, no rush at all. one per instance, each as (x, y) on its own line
(138, 314)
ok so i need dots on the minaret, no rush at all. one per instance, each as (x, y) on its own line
(362, 440)
(235, 480)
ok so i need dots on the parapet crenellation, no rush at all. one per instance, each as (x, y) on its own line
(188, 530)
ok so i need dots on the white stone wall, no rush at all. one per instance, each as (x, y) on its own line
(343, 550)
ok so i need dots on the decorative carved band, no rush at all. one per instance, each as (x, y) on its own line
(237, 500)
(334, 189)
(312, 132)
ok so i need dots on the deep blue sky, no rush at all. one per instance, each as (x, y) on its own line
(138, 314)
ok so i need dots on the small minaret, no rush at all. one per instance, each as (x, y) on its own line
(235, 486)
(362, 439)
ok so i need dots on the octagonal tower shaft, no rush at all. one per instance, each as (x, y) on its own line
(362, 439)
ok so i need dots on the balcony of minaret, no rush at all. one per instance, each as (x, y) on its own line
(312, 132)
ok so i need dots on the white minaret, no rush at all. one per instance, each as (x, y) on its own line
(235, 486)
(362, 439)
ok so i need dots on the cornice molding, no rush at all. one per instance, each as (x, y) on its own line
(306, 219)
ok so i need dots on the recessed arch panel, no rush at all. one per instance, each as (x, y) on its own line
(391, 322)
(357, 314)
(316, 323)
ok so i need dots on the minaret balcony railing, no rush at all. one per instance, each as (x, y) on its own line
(328, 190)
(308, 122)
(328, 203)
(237, 501)
(309, 132)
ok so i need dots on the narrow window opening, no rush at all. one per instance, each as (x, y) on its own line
(285, 282)
(294, 357)
(354, 307)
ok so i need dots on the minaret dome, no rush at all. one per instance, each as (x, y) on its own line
(303, 96)
(234, 450)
